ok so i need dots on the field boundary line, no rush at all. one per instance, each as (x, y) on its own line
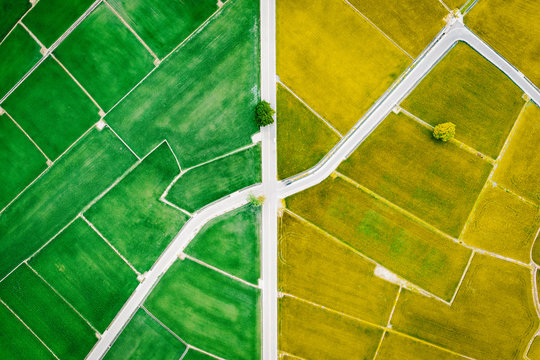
(29, 138)
(445, 6)
(23, 190)
(174, 154)
(465, 271)
(167, 202)
(537, 238)
(204, 352)
(125, 144)
(164, 326)
(184, 353)
(394, 307)
(28, 327)
(513, 193)
(379, 344)
(17, 23)
(281, 353)
(534, 275)
(31, 34)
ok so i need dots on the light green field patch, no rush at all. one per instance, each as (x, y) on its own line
(144, 338)
(469, 91)
(58, 325)
(208, 310)
(395, 346)
(51, 108)
(59, 195)
(87, 272)
(302, 138)
(207, 183)
(231, 242)
(132, 217)
(12, 11)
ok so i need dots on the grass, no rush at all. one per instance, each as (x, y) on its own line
(207, 183)
(302, 138)
(315, 267)
(87, 272)
(512, 28)
(202, 98)
(58, 325)
(519, 168)
(504, 224)
(59, 195)
(469, 91)
(60, 111)
(383, 234)
(334, 59)
(20, 161)
(396, 346)
(208, 310)
(196, 355)
(144, 338)
(132, 217)
(105, 57)
(438, 182)
(11, 12)
(310, 332)
(163, 25)
(412, 24)
(231, 242)
(492, 317)
(18, 53)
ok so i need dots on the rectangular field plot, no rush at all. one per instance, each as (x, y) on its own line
(334, 59)
(132, 217)
(492, 316)
(318, 268)
(87, 272)
(469, 91)
(144, 338)
(208, 310)
(59, 195)
(396, 346)
(57, 324)
(202, 98)
(438, 182)
(311, 332)
(202, 185)
(12, 11)
(383, 234)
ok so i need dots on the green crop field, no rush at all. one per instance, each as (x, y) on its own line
(12, 11)
(396, 346)
(196, 355)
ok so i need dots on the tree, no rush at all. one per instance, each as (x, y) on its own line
(256, 201)
(264, 113)
(444, 131)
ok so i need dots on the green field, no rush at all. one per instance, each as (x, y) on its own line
(105, 57)
(59, 195)
(316, 267)
(302, 138)
(383, 234)
(20, 161)
(469, 91)
(132, 217)
(201, 99)
(195, 355)
(80, 265)
(208, 310)
(396, 346)
(231, 242)
(51, 108)
(58, 325)
(207, 183)
(143, 339)
(164, 24)
(18, 53)
(12, 11)
(438, 182)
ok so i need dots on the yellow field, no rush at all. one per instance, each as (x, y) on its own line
(310, 332)
(534, 351)
(395, 346)
(454, 4)
(317, 268)
(334, 59)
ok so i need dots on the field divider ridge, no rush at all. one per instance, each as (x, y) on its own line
(49, 162)
(17, 23)
(31, 34)
(164, 326)
(123, 142)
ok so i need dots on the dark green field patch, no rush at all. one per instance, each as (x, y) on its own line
(12, 11)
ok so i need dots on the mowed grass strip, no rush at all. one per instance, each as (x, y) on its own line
(492, 316)
(519, 168)
(87, 272)
(164, 24)
(202, 185)
(144, 338)
(334, 59)
(52, 319)
(512, 28)
(311, 332)
(384, 234)
(131, 216)
(20, 160)
(12, 11)
(471, 92)
(395, 346)
(231, 242)
(402, 162)
(202, 98)
(315, 267)
(208, 310)
(302, 138)
(59, 195)
(51, 108)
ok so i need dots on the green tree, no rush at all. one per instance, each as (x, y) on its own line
(264, 113)
(256, 201)
(444, 131)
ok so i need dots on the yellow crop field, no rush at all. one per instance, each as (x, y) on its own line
(395, 346)
(454, 4)
(334, 59)
(534, 351)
